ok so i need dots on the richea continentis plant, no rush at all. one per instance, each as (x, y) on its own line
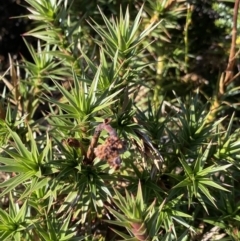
(92, 145)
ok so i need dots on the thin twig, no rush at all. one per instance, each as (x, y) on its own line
(232, 57)
(93, 144)
(104, 126)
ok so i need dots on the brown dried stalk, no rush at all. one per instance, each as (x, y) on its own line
(104, 126)
(232, 55)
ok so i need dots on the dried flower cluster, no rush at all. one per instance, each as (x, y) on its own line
(110, 151)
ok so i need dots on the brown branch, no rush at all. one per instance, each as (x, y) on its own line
(104, 126)
(93, 144)
(232, 56)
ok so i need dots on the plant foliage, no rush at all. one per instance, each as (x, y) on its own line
(106, 136)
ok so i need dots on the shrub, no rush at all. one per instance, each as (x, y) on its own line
(92, 149)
